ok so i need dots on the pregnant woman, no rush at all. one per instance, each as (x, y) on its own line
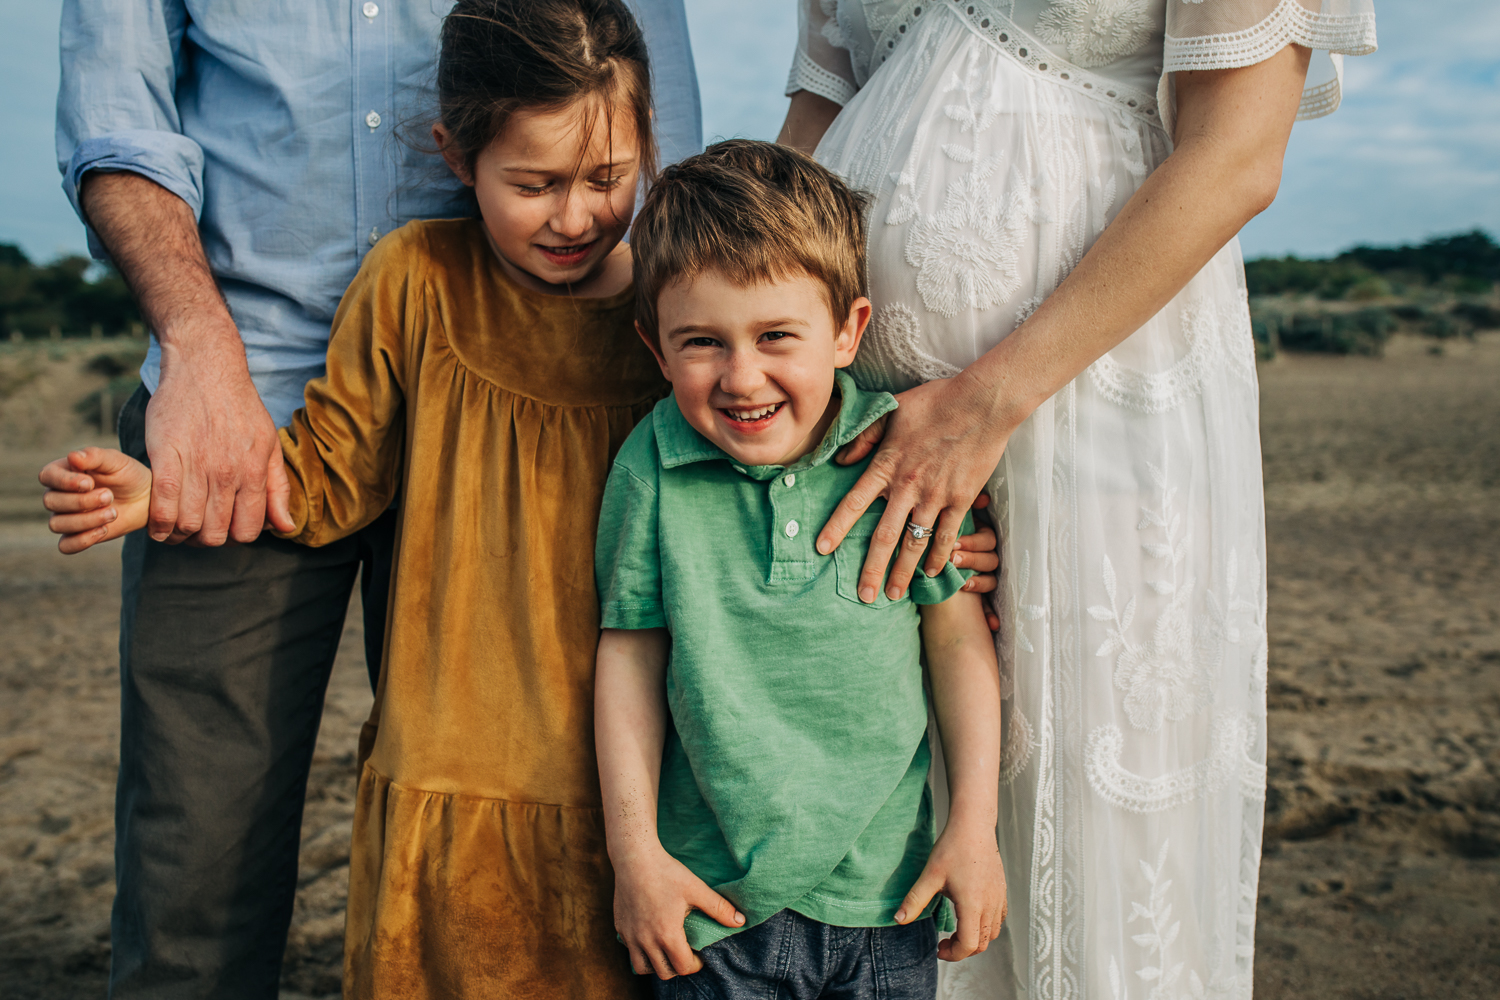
(1060, 297)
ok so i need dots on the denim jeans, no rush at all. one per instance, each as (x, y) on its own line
(225, 655)
(790, 957)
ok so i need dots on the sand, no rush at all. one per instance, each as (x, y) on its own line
(1381, 876)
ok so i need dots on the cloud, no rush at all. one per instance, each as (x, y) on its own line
(1414, 151)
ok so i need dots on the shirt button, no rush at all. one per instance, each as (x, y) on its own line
(792, 527)
(791, 479)
(373, 119)
(374, 235)
(740, 469)
(371, 9)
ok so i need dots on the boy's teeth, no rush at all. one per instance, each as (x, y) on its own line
(756, 414)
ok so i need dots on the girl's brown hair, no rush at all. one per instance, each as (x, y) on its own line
(503, 56)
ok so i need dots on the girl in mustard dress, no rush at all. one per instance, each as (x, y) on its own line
(483, 371)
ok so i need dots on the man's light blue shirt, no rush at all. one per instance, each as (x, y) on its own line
(274, 121)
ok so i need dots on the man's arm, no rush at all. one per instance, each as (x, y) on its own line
(653, 891)
(211, 442)
(965, 862)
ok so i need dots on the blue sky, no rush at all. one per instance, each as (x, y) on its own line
(1414, 151)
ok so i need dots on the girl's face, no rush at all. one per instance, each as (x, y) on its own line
(556, 200)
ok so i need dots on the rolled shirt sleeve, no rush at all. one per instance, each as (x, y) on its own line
(116, 107)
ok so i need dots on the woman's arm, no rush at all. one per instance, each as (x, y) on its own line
(807, 118)
(945, 440)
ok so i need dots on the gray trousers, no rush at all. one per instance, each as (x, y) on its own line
(225, 656)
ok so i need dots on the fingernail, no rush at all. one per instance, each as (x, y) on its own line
(825, 546)
(112, 514)
(893, 593)
(954, 559)
(158, 536)
(900, 916)
(739, 918)
(106, 497)
(867, 594)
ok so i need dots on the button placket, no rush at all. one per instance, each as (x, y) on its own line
(792, 555)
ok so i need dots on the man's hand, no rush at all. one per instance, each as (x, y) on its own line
(964, 866)
(653, 895)
(214, 450)
(212, 445)
(95, 495)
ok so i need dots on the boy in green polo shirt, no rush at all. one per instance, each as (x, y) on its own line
(761, 731)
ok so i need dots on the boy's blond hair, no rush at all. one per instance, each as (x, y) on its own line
(754, 212)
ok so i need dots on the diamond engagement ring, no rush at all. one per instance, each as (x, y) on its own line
(918, 531)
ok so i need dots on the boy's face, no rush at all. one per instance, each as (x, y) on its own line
(752, 367)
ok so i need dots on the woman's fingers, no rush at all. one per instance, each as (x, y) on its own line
(863, 444)
(949, 524)
(883, 544)
(911, 550)
(863, 493)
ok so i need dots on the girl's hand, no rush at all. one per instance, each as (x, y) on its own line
(95, 495)
(936, 453)
(964, 866)
(653, 895)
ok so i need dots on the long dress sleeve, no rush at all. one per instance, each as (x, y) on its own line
(822, 64)
(344, 447)
(1224, 34)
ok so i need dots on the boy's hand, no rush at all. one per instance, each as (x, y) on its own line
(653, 896)
(95, 495)
(964, 866)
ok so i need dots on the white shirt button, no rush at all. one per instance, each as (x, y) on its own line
(792, 527)
(374, 235)
(370, 9)
(740, 469)
(373, 119)
(791, 479)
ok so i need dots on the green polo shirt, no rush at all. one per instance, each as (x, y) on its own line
(795, 771)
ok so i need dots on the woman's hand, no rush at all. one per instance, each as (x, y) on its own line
(936, 453)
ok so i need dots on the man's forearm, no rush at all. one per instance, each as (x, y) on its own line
(153, 239)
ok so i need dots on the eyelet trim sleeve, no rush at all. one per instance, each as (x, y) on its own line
(1220, 34)
(809, 76)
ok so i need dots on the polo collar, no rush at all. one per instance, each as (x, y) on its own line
(679, 444)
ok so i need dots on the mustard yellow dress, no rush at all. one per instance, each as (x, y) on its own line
(491, 412)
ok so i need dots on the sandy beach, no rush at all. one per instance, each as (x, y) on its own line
(1381, 876)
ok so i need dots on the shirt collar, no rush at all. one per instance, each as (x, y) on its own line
(679, 444)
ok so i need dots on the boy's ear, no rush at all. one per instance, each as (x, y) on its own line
(846, 340)
(443, 138)
(655, 345)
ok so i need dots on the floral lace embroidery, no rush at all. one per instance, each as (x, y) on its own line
(1214, 335)
(967, 254)
(1097, 32)
(1231, 739)
(897, 335)
(1157, 937)
(1165, 678)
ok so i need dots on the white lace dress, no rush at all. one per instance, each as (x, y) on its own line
(999, 137)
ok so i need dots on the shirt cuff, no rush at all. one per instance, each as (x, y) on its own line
(172, 160)
(809, 76)
(633, 615)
